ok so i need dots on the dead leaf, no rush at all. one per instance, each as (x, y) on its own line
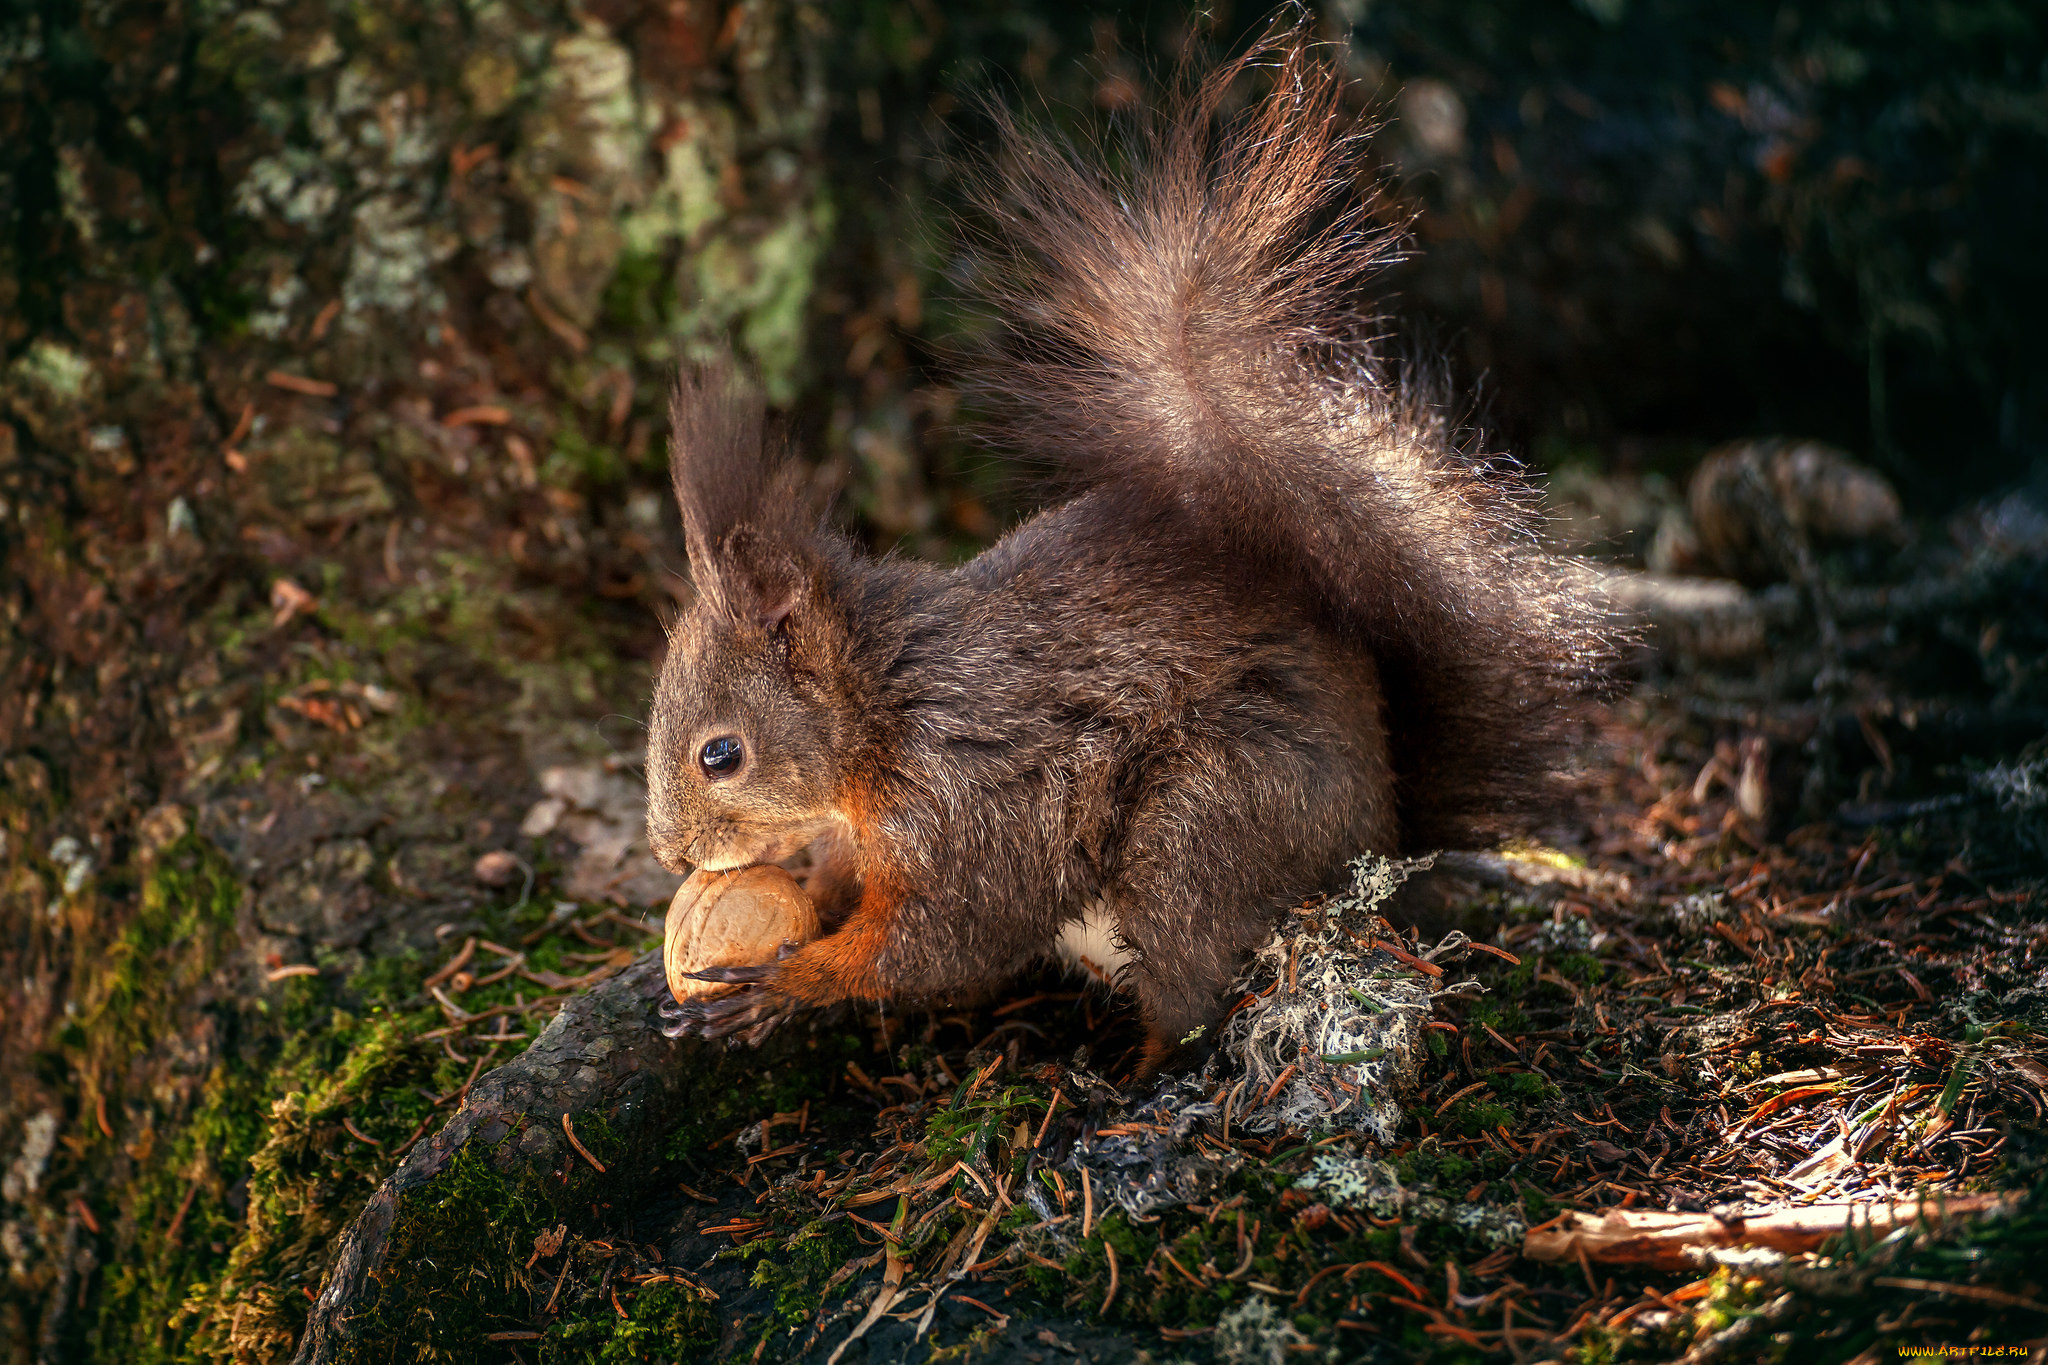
(288, 600)
(548, 1243)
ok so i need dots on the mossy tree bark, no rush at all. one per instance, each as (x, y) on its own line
(515, 1161)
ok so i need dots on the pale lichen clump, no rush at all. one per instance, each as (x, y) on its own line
(1255, 1333)
(1152, 1162)
(1330, 1032)
(1337, 1026)
(1344, 1181)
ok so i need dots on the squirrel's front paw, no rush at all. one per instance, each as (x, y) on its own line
(746, 1015)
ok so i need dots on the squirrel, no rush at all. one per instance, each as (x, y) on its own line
(1282, 618)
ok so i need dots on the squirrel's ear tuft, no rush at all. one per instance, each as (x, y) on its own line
(748, 522)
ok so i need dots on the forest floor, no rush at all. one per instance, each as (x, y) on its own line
(1703, 1020)
(1678, 1014)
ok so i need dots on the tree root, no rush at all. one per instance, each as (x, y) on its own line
(602, 1065)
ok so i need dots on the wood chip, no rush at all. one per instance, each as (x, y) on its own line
(568, 332)
(243, 424)
(178, 1220)
(1002, 1319)
(1427, 968)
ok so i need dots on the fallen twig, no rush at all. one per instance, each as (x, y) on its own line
(1677, 1241)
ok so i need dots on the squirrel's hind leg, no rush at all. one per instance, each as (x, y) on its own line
(1241, 828)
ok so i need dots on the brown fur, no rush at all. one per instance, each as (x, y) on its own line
(1282, 621)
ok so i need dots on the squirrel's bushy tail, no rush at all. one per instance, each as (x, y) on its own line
(1182, 334)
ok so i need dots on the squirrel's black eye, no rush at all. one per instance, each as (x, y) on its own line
(721, 756)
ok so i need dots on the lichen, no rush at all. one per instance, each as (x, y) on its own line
(56, 369)
(1336, 1038)
(292, 183)
(1375, 1187)
(1253, 1333)
(760, 285)
(395, 247)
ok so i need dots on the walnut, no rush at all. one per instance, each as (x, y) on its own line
(739, 918)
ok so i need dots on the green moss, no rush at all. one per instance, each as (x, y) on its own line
(263, 1172)
(1503, 1015)
(1582, 967)
(1468, 1118)
(577, 461)
(458, 603)
(140, 990)
(185, 922)
(308, 1174)
(635, 299)
(1428, 1164)
(1526, 1087)
(660, 1323)
(799, 1268)
(142, 1298)
(474, 1216)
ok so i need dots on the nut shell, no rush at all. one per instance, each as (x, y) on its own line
(739, 918)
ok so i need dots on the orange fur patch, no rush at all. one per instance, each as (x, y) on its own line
(846, 965)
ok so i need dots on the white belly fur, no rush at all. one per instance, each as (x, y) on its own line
(1089, 945)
